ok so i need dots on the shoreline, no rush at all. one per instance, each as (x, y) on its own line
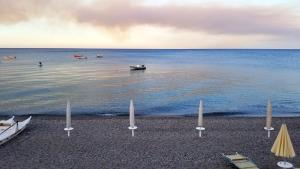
(162, 115)
(159, 142)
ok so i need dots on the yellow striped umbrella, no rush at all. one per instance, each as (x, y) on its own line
(283, 146)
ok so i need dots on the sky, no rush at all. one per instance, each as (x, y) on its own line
(150, 23)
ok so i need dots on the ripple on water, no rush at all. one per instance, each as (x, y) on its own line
(175, 80)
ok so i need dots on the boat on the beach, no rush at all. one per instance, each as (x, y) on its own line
(10, 128)
(137, 67)
(79, 56)
(9, 58)
(7, 122)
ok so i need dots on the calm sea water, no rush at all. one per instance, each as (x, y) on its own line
(228, 81)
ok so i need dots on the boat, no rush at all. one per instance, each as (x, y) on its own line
(79, 57)
(9, 58)
(137, 67)
(7, 122)
(10, 128)
(99, 56)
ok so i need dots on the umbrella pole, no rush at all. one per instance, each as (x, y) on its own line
(132, 133)
(200, 134)
(68, 133)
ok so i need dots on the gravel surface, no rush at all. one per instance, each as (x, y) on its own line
(159, 142)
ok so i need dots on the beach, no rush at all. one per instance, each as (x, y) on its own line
(149, 84)
(159, 142)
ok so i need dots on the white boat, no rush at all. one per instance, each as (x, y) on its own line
(9, 128)
(7, 122)
(99, 56)
(137, 67)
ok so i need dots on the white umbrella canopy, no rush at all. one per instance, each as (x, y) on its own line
(132, 126)
(269, 115)
(200, 114)
(131, 114)
(68, 115)
(68, 118)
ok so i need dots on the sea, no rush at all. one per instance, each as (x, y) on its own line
(230, 82)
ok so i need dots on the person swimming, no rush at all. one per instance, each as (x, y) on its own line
(40, 64)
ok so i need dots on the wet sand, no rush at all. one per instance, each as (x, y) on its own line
(159, 142)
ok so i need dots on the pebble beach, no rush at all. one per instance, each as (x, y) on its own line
(159, 142)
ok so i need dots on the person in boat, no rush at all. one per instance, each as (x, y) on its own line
(40, 64)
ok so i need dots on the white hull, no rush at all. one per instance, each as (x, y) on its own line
(9, 131)
(137, 67)
(8, 122)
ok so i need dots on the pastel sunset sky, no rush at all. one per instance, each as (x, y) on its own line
(150, 23)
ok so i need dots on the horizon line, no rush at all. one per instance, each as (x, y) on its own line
(151, 48)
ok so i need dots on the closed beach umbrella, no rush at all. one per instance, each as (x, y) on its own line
(131, 114)
(68, 115)
(200, 118)
(268, 126)
(283, 147)
(200, 114)
(68, 118)
(269, 115)
(132, 126)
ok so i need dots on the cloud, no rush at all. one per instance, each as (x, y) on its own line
(124, 14)
(14, 11)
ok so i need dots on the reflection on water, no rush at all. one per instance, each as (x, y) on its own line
(175, 80)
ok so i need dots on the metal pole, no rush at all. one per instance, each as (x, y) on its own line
(132, 132)
(268, 133)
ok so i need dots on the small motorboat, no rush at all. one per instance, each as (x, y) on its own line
(99, 56)
(137, 67)
(10, 128)
(79, 57)
(9, 58)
